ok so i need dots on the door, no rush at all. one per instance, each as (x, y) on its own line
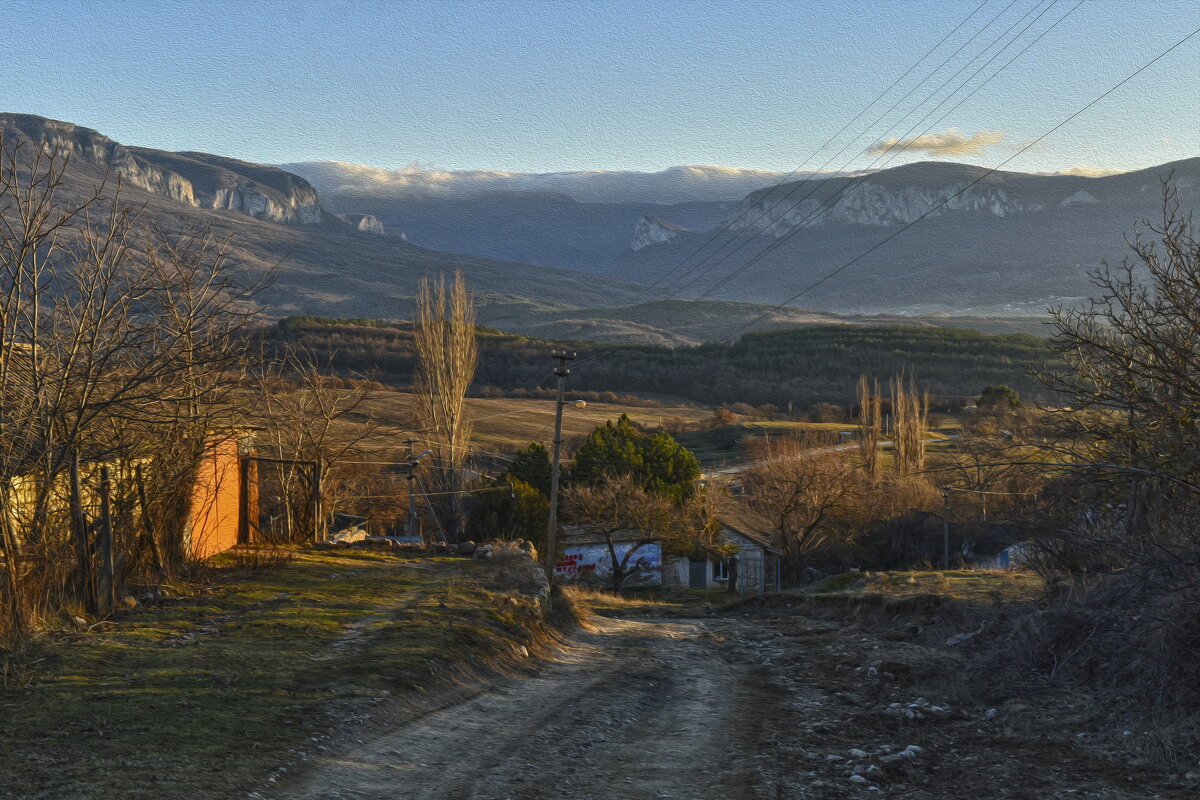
(750, 576)
(698, 575)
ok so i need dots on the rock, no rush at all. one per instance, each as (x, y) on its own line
(483, 552)
(128, 602)
(959, 638)
(466, 548)
(856, 753)
(857, 779)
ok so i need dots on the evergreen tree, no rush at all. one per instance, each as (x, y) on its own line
(532, 466)
(508, 509)
(656, 463)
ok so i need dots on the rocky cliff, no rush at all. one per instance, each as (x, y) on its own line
(882, 200)
(369, 223)
(653, 230)
(196, 179)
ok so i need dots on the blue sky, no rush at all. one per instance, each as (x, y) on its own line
(596, 85)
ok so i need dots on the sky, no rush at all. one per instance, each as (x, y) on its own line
(532, 86)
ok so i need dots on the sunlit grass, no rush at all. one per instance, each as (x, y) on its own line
(647, 601)
(202, 696)
(968, 586)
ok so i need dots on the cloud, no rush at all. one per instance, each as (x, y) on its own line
(951, 143)
(1085, 171)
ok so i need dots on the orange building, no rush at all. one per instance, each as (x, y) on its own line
(215, 519)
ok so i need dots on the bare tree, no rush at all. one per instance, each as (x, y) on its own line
(312, 426)
(626, 519)
(444, 338)
(910, 413)
(1133, 389)
(806, 496)
(869, 418)
(109, 337)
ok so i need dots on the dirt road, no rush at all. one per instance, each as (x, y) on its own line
(764, 704)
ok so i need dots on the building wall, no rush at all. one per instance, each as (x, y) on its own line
(213, 518)
(675, 572)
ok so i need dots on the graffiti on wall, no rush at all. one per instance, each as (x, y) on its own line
(592, 563)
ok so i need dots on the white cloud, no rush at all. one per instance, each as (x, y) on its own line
(951, 143)
(1084, 171)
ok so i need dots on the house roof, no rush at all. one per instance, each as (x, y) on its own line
(745, 522)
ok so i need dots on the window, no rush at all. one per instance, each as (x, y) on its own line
(720, 570)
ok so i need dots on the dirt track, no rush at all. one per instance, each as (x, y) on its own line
(764, 704)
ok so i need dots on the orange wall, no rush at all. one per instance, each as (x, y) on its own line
(214, 511)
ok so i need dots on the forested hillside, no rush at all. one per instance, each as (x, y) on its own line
(800, 366)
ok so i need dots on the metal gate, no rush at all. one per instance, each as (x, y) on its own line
(281, 501)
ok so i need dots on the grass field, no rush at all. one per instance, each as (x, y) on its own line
(205, 695)
(503, 425)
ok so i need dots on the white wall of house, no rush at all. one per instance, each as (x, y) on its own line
(752, 563)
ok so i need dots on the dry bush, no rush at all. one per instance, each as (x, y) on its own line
(257, 557)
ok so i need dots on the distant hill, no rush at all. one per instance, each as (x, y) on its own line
(798, 366)
(1010, 244)
(275, 220)
(536, 227)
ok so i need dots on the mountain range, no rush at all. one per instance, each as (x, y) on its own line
(929, 237)
(321, 263)
(922, 238)
(675, 257)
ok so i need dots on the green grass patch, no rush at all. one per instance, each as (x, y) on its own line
(203, 696)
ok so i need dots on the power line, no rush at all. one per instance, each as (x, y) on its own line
(727, 225)
(986, 174)
(748, 230)
(845, 127)
(829, 203)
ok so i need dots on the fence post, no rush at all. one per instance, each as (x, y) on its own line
(79, 531)
(318, 476)
(243, 534)
(107, 587)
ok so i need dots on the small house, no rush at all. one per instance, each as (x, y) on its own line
(754, 566)
(586, 558)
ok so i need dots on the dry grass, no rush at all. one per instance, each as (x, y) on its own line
(204, 696)
(665, 602)
(965, 586)
(503, 425)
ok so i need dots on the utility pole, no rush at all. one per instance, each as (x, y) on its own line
(945, 529)
(414, 461)
(561, 372)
